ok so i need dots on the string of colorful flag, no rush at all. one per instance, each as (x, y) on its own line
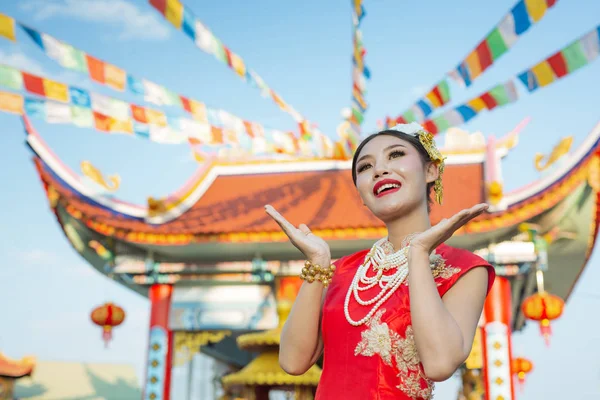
(349, 129)
(15, 79)
(172, 131)
(75, 59)
(112, 76)
(569, 59)
(523, 15)
(182, 18)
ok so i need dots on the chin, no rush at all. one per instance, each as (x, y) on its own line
(389, 212)
(390, 209)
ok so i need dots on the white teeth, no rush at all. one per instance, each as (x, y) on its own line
(387, 186)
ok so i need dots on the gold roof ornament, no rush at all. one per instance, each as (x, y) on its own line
(110, 183)
(563, 147)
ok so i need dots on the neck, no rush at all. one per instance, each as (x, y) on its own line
(414, 222)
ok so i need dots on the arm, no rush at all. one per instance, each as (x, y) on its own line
(444, 328)
(301, 343)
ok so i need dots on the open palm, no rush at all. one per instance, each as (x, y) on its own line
(442, 231)
(312, 246)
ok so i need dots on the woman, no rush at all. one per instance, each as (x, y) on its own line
(393, 319)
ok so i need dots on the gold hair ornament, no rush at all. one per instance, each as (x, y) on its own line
(428, 144)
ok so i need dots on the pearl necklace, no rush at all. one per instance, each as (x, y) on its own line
(380, 262)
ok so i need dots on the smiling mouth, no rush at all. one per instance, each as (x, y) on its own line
(386, 187)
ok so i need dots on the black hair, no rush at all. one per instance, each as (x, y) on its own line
(414, 141)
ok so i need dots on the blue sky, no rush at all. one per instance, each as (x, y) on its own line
(302, 50)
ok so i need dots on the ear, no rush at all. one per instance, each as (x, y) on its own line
(432, 172)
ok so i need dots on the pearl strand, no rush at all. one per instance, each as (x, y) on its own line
(379, 261)
(376, 307)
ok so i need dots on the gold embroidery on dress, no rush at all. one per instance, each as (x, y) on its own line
(391, 347)
(439, 269)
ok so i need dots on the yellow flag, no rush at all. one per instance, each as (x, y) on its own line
(7, 27)
(198, 111)
(433, 99)
(55, 90)
(536, 9)
(11, 102)
(156, 117)
(543, 73)
(174, 12)
(474, 65)
(115, 77)
(238, 64)
(477, 104)
(116, 125)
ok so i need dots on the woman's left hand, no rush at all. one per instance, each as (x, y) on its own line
(430, 239)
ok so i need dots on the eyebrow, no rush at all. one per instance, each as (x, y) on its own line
(386, 149)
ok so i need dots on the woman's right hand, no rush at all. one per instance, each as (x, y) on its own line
(313, 247)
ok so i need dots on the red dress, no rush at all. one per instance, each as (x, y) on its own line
(378, 360)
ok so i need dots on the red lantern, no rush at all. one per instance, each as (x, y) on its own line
(521, 367)
(108, 316)
(543, 307)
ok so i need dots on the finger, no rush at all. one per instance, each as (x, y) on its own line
(466, 218)
(468, 213)
(287, 226)
(476, 211)
(304, 229)
(479, 208)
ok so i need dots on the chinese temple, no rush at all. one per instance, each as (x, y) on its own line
(209, 258)
(11, 371)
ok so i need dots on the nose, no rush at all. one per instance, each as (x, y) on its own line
(380, 169)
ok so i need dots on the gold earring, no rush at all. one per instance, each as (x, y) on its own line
(439, 191)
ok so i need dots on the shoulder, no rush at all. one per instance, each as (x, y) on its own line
(456, 262)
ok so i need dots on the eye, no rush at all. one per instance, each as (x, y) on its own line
(397, 153)
(363, 167)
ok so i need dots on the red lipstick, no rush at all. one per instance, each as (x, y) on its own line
(386, 186)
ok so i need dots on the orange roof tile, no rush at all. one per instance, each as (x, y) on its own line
(321, 199)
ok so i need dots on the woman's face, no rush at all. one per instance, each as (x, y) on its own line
(391, 178)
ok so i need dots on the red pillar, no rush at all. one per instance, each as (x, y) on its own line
(497, 344)
(158, 367)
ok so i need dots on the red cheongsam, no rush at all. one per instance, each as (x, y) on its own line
(378, 360)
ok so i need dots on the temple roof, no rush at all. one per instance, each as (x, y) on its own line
(264, 370)
(16, 368)
(318, 193)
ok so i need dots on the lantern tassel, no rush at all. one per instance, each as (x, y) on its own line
(106, 335)
(546, 331)
(521, 379)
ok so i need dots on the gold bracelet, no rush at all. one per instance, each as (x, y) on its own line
(314, 272)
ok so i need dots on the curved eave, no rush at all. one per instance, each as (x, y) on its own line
(63, 173)
(81, 246)
(565, 167)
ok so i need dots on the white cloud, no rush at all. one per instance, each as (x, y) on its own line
(418, 90)
(36, 257)
(21, 61)
(133, 22)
